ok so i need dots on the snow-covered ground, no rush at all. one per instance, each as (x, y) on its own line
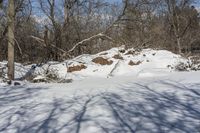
(148, 97)
(167, 104)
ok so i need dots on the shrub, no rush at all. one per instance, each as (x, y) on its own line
(47, 75)
(193, 64)
(181, 66)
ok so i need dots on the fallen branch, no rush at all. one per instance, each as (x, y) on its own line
(89, 39)
(67, 53)
(114, 68)
(41, 41)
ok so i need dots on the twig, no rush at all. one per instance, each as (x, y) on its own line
(18, 46)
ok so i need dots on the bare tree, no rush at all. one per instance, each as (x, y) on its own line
(180, 24)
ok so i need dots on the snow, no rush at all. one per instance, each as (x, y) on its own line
(157, 63)
(119, 104)
(153, 63)
(148, 97)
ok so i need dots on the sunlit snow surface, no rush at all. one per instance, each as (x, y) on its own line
(153, 63)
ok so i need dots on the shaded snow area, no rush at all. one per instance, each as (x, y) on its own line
(167, 104)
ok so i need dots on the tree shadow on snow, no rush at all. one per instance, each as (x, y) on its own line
(22, 112)
(157, 111)
(138, 108)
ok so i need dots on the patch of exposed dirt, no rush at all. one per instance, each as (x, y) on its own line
(76, 68)
(102, 61)
(131, 63)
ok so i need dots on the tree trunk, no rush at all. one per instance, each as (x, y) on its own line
(11, 40)
(178, 39)
(65, 13)
(1, 4)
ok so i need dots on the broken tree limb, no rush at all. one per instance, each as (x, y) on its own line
(41, 41)
(114, 68)
(67, 53)
(89, 39)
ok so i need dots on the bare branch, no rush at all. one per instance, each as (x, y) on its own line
(18, 46)
(89, 39)
(41, 41)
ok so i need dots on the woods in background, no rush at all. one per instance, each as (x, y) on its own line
(49, 29)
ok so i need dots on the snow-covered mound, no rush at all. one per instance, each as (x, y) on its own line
(111, 63)
(116, 62)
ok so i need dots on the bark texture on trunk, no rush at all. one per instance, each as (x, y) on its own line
(11, 40)
(179, 45)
